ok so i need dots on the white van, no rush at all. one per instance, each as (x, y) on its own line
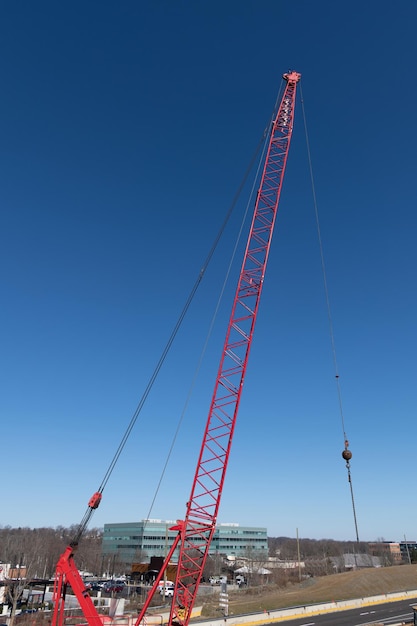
(167, 590)
(168, 584)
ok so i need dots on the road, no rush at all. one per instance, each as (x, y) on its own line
(387, 613)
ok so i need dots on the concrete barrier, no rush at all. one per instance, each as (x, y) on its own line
(279, 615)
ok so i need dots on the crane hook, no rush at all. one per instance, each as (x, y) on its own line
(347, 454)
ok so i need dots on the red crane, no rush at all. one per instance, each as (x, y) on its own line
(196, 531)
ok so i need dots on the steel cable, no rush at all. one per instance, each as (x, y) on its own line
(346, 454)
(89, 512)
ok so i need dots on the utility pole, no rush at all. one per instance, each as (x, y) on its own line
(408, 551)
(299, 561)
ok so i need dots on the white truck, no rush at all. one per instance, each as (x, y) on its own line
(166, 588)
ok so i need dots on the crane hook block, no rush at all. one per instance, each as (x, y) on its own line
(95, 500)
(347, 454)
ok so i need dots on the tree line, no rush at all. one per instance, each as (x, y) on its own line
(287, 548)
(38, 549)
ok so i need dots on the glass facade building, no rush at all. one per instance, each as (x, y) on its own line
(139, 541)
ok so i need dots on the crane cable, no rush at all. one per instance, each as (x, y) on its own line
(264, 140)
(346, 454)
(96, 498)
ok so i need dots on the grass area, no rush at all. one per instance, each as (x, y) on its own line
(345, 586)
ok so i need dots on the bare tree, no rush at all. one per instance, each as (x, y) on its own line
(256, 561)
(33, 553)
(23, 570)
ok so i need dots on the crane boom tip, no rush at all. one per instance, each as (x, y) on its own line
(292, 76)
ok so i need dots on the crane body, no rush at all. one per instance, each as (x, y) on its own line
(196, 531)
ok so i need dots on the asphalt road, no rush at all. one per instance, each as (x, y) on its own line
(388, 613)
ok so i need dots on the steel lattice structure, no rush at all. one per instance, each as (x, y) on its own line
(201, 515)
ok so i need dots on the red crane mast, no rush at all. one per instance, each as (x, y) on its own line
(197, 529)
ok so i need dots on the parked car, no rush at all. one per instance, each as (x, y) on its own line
(214, 580)
(114, 586)
(217, 580)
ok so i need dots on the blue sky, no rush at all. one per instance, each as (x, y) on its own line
(126, 128)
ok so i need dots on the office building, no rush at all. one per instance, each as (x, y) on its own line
(126, 543)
